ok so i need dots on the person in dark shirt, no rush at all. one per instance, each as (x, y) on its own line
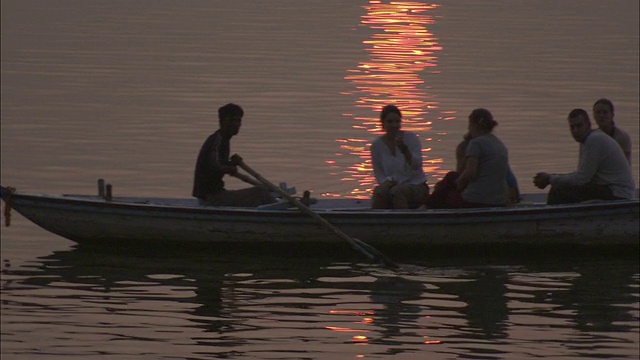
(213, 164)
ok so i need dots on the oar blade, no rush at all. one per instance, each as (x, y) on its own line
(377, 255)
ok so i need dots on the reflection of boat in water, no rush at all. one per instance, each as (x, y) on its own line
(197, 298)
(545, 297)
(208, 300)
(597, 295)
(483, 291)
(93, 219)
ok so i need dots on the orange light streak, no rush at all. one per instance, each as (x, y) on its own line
(352, 312)
(360, 339)
(400, 49)
(343, 329)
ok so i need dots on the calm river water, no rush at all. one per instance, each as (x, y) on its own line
(128, 91)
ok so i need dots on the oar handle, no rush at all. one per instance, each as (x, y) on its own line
(358, 245)
(290, 198)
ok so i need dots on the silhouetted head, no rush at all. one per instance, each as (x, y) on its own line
(603, 115)
(481, 122)
(389, 109)
(483, 118)
(391, 119)
(230, 118)
(579, 124)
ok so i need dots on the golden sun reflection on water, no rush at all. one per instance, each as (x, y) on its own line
(400, 48)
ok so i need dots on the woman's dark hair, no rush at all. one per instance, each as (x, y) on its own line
(388, 110)
(483, 118)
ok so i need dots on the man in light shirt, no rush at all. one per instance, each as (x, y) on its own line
(603, 170)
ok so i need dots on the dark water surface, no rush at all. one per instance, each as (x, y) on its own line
(128, 91)
(153, 304)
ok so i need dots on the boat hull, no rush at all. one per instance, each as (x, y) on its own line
(87, 219)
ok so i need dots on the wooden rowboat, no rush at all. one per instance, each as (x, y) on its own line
(133, 220)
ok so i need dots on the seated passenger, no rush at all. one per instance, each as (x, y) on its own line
(603, 115)
(482, 179)
(396, 157)
(513, 193)
(603, 171)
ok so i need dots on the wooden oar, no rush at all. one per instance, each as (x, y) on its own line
(359, 245)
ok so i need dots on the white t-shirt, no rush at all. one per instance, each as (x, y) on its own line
(394, 166)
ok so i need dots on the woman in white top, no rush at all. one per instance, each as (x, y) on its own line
(396, 157)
